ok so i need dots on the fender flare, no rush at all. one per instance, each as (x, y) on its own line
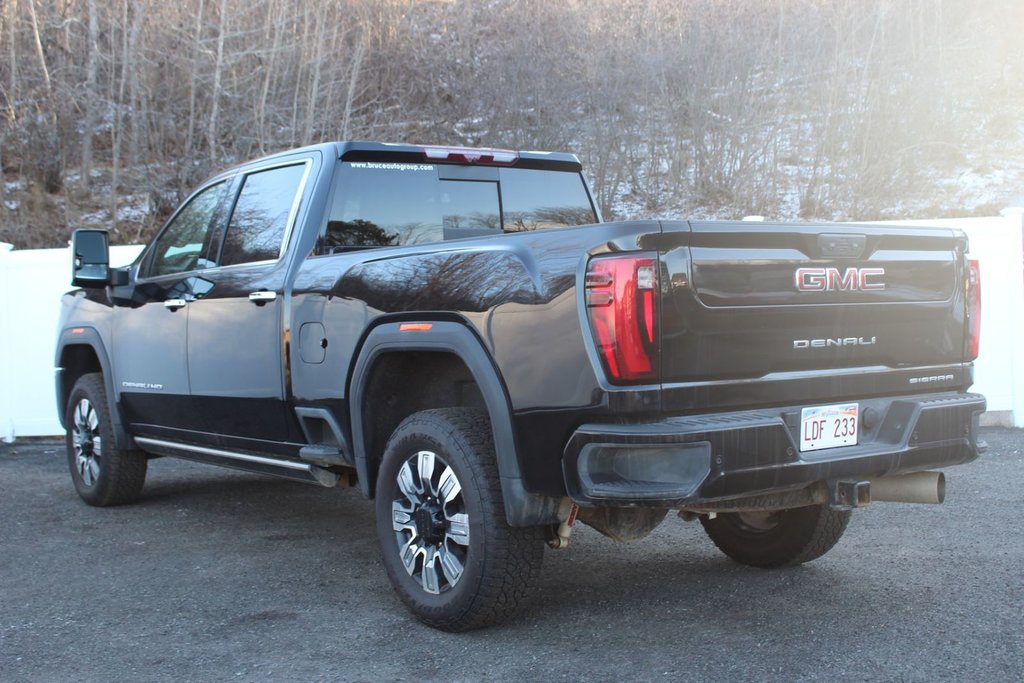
(81, 335)
(522, 508)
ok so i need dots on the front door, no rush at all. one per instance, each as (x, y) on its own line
(150, 325)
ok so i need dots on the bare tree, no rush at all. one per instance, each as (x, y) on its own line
(829, 108)
(91, 103)
(218, 68)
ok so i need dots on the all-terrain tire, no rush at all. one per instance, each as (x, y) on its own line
(778, 539)
(447, 548)
(102, 474)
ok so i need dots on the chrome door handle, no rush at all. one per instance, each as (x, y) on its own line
(262, 297)
(174, 304)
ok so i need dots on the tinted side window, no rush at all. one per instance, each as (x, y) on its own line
(183, 244)
(538, 200)
(381, 204)
(260, 219)
(386, 204)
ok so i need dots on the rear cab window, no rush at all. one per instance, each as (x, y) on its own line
(380, 204)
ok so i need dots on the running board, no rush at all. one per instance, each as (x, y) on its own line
(289, 469)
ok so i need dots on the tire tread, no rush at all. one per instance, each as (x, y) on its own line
(122, 472)
(803, 535)
(515, 554)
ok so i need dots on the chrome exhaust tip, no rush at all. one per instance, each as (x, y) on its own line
(928, 488)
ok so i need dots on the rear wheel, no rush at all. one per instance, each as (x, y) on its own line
(448, 551)
(103, 475)
(777, 538)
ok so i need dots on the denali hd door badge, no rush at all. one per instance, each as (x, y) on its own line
(836, 341)
(142, 385)
(832, 280)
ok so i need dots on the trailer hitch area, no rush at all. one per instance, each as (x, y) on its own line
(847, 495)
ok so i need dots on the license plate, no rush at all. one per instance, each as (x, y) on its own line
(828, 426)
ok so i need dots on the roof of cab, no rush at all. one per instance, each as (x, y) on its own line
(365, 151)
(358, 150)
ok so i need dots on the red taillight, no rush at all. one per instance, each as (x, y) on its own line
(472, 155)
(973, 308)
(621, 299)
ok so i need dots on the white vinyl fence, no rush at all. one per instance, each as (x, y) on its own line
(31, 284)
(999, 370)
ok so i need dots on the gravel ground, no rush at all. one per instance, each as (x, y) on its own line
(221, 575)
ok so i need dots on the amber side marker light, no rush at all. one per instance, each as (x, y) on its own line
(415, 327)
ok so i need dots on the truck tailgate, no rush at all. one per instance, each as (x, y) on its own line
(759, 312)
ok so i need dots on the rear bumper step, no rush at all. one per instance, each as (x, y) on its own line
(684, 461)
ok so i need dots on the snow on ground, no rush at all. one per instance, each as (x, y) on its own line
(133, 208)
(94, 217)
(971, 189)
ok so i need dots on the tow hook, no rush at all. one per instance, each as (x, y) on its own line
(560, 541)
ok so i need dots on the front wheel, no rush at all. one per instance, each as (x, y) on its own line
(778, 538)
(103, 475)
(447, 548)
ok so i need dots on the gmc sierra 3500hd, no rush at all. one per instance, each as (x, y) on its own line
(455, 332)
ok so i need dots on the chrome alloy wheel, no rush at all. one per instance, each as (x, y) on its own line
(87, 442)
(430, 522)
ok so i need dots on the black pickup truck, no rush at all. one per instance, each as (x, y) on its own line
(455, 332)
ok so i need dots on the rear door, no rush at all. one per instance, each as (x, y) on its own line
(236, 338)
(756, 312)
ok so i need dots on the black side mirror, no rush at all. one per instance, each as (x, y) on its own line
(90, 259)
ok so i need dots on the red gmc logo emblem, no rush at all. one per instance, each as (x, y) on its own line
(832, 280)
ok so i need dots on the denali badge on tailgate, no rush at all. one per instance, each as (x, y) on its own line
(834, 341)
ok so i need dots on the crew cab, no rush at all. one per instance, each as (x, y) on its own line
(456, 333)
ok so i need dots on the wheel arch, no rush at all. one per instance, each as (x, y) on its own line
(455, 342)
(80, 351)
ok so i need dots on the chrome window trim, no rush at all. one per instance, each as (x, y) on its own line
(289, 223)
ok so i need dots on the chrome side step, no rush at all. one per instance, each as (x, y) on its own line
(288, 469)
